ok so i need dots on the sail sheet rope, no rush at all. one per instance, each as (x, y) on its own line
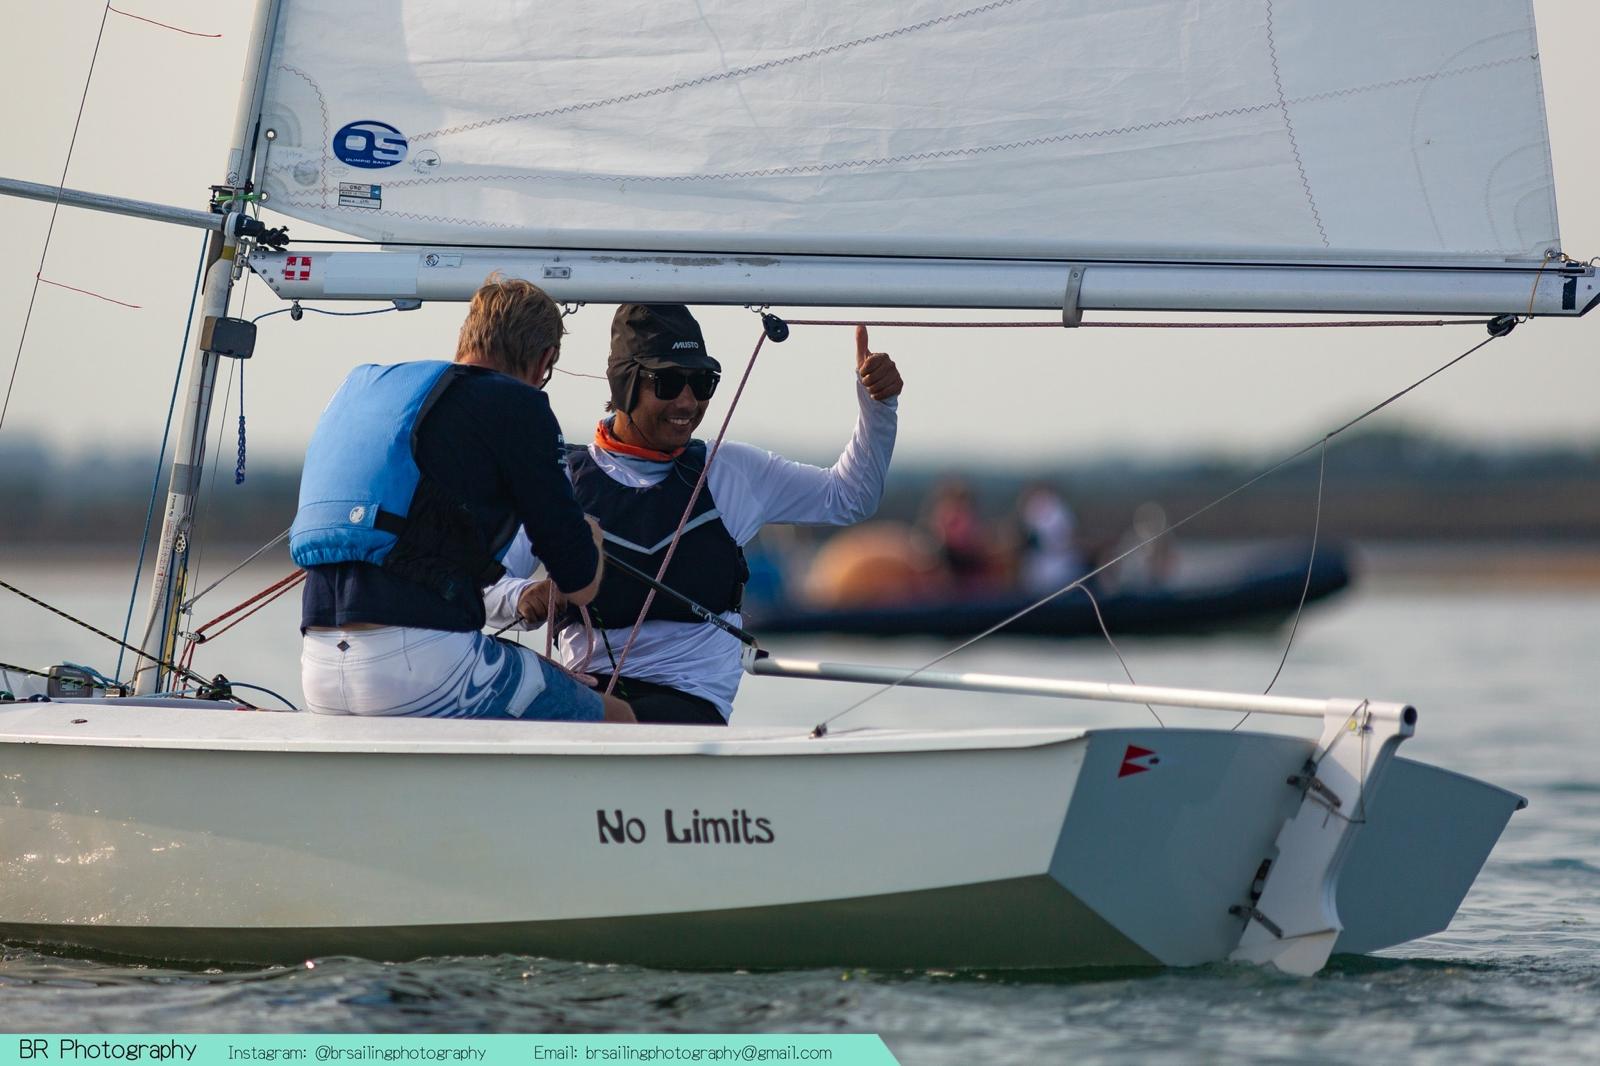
(677, 534)
(1498, 328)
(200, 635)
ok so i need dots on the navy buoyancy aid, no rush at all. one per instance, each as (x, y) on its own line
(708, 566)
(364, 499)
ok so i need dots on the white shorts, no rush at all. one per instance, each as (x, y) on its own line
(394, 670)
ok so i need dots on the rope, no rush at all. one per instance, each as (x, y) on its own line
(261, 599)
(55, 208)
(73, 288)
(688, 510)
(163, 25)
(102, 633)
(821, 728)
(1305, 590)
(578, 671)
(1533, 292)
(238, 470)
(550, 622)
(261, 688)
(1104, 631)
(1356, 716)
(272, 591)
(22, 670)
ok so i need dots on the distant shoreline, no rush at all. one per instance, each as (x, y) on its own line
(1527, 563)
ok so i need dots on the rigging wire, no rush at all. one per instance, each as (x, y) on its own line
(55, 208)
(261, 599)
(1079, 582)
(166, 432)
(188, 604)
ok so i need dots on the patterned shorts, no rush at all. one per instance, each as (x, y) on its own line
(394, 670)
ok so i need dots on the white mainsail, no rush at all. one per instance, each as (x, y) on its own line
(1291, 130)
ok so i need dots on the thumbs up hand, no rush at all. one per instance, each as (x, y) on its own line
(876, 370)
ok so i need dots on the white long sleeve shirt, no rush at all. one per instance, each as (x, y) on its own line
(750, 487)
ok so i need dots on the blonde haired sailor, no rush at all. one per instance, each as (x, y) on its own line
(416, 479)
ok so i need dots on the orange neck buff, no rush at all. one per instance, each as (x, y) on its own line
(604, 439)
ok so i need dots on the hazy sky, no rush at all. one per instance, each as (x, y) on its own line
(95, 377)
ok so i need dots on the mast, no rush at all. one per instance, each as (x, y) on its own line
(169, 578)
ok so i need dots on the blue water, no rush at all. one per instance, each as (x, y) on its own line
(1508, 684)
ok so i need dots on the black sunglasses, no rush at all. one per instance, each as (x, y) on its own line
(669, 383)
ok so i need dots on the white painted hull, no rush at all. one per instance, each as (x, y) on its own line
(204, 834)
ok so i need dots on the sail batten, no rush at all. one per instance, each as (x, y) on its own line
(1176, 129)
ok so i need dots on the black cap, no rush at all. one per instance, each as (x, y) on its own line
(657, 337)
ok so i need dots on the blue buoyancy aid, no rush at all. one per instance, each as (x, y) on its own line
(364, 499)
(708, 566)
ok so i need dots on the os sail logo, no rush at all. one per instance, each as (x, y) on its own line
(369, 144)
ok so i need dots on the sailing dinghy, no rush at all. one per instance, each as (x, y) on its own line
(1196, 155)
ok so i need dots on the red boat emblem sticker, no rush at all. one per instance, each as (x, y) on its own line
(1137, 760)
(297, 268)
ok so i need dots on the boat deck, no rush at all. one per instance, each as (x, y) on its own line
(195, 724)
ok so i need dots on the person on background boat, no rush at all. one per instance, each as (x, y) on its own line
(1153, 561)
(972, 559)
(1047, 554)
(417, 476)
(637, 477)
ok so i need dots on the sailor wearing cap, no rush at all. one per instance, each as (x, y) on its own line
(637, 476)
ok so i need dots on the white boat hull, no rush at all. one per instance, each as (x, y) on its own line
(209, 835)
